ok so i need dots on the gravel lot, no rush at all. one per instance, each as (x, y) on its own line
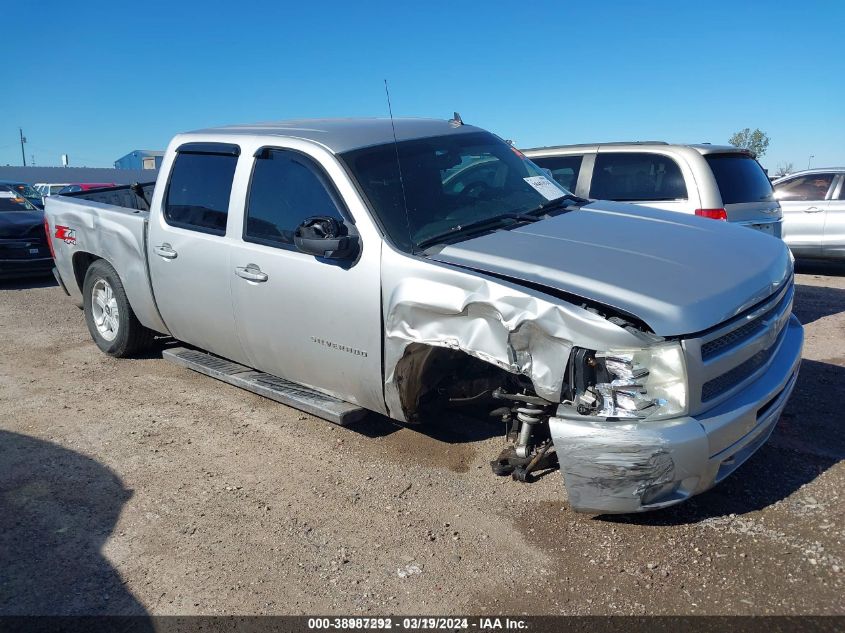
(135, 486)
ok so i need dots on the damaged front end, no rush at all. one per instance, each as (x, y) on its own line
(458, 337)
(627, 466)
(617, 406)
(616, 455)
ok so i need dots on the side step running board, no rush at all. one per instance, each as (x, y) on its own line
(267, 385)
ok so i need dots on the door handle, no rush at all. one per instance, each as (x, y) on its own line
(251, 272)
(812, 210)
(165, 251)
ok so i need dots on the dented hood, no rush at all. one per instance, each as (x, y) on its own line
(680, 274)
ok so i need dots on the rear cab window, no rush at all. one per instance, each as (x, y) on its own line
(565, 169)
(637, 177)
(740, 178)
(200, 185)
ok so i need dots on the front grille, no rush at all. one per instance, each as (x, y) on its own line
(721, 384)
(723, 359)
(747, 331)
(23, 249)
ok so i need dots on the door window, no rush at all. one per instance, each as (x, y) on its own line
(287, 187)
(564, 169)
(636, 176)
(199, 189)
(806, 187)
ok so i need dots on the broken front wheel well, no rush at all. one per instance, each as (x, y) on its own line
(430, 378)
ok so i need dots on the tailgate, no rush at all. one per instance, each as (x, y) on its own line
(747, 194)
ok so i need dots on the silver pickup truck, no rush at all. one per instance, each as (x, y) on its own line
(413, 267)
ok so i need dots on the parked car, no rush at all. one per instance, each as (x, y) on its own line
(324, 264)
(813, 203)
(23, 244)
(47, 189)
(712, 181)
(23, 190)
(84, 186)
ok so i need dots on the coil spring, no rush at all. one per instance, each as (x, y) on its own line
(530, 413)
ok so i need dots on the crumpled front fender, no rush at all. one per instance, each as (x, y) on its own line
(517, 329)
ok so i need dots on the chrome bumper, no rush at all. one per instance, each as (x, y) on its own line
(620, 467)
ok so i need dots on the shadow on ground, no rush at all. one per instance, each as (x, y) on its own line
(806, 442)
(816, 302)
(820, 267)
(57, 508)
(449, 427)
(154, 351)
(26, 283)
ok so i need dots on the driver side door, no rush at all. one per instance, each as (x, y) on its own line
(311, 320)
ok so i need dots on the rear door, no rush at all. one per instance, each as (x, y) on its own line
(641, 177)
(188, 249)
(746, 191)
(804, 199)
(833, 242)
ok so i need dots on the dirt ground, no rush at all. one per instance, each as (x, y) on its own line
(136, 486)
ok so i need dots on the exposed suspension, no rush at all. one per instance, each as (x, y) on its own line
(527, 423)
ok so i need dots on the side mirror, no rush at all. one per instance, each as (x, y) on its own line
(325, 236)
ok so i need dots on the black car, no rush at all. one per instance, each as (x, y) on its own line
(23, 242)
(23, 190)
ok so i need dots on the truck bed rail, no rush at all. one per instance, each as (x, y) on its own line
(135, 196)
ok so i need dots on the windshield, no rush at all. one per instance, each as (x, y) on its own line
(26, 191)
(10, 202)
(449, 181)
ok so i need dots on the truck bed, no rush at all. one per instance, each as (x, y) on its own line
(110, 224)
(135, 197)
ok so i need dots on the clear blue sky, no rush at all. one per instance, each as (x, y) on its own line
(98, 79)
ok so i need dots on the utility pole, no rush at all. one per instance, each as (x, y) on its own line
(23, 140)
(810, 160)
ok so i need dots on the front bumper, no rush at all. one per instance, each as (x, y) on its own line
(620, 467)
(25, 267)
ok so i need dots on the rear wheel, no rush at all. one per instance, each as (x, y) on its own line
(108, 315)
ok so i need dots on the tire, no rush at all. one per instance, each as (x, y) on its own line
(108, 315)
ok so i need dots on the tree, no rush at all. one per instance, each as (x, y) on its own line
(784, 169)
(756, 141)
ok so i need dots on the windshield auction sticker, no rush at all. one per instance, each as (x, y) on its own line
(545, 187)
